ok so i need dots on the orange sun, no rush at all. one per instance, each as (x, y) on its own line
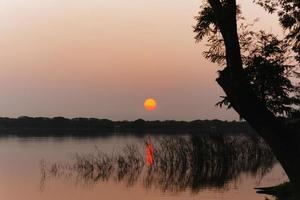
(150, 104)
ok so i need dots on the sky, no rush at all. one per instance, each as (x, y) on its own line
(103, 58)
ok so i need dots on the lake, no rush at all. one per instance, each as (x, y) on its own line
(185, 167)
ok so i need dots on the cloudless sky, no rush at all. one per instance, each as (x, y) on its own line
(102, 58)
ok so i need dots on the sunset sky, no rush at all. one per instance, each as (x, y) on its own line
(103, 58)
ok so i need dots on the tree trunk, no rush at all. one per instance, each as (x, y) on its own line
(282, 140)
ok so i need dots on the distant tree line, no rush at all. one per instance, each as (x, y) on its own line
(41, 126)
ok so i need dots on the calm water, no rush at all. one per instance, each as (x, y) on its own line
(25, 170)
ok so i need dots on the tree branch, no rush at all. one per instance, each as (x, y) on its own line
(216, 5)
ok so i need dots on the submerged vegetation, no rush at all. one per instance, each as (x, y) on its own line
(180, 163)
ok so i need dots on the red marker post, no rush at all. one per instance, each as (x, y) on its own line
(149, 152)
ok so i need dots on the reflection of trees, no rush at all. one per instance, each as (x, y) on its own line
(180, 163)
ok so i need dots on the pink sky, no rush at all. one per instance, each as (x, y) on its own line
(102, 58)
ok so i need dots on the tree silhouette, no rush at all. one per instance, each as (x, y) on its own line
(266, 64)
(289, 18)
(257, 71)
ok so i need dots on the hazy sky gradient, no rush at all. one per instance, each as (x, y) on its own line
(102, 58)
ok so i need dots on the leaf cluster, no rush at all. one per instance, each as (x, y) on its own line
(288, 12)
(267, 60)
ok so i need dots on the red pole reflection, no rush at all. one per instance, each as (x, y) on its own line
(149, 152)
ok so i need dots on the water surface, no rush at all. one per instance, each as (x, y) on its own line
(21, 172)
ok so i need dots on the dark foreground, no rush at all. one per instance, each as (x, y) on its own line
(284, 191)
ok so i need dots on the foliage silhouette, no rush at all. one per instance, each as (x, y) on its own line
(289, 17)
(267, 64)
